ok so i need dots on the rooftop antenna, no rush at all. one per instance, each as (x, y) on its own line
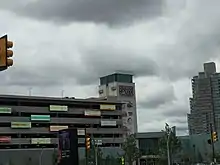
(62, 93)
(29, 91)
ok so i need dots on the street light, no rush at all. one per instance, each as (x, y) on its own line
(97, 143)
(168, 130)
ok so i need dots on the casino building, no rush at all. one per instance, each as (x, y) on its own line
(30, 122)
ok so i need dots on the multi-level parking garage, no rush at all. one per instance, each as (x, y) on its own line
(33, 122)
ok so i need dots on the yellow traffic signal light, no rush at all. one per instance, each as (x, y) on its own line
(88, 142)
(5, 53)
(215, 136)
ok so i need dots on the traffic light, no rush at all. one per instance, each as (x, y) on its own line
(122, 161)
(88, 142)
(215, 136)
(5, 53)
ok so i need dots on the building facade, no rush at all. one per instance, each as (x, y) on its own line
(29, 123)
(205, 101)
(148, 143)
(120, 87)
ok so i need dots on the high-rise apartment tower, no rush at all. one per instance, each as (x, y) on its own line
(205, 101)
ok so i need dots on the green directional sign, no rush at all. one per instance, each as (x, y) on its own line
(40, 117)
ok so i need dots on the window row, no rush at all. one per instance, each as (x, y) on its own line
(55, 127)
(87, 114)
(55, 135)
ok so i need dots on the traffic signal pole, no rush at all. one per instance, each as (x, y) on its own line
(212, 143)
(86, 152)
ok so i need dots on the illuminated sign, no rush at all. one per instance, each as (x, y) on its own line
(40, 117)
(5, 110)
(58, 108)
(40, 141)
(108, 123)
(5, 139)
(56, 128)
(107, 107)
(20, 124)
(92, 113)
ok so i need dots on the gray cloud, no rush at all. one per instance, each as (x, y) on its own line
(62, 57)
(197, 40)
(176, 110)
(111, 12)
(159, 97)
(82, 73)
(108, 60)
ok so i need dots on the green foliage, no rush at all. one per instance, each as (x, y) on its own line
(99, 156)
(174, 142)
(111, 160)
(131, 152)
(91, 155)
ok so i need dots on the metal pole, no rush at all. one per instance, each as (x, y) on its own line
(40, 157)
(86, 152)
(168, 149)
(29, 89)
(213, 147)
(95, 151)
(194, 153)
(96, 155)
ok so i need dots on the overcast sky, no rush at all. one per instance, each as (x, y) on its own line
(67, 45)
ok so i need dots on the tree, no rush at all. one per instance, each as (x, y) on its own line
(131, 152)
(99, 156)
(173, 142)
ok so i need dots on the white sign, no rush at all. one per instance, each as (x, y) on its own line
(107, 107)
(40, 141)
(108, 123)
(92, 113)
(80, 131)
(98, 142)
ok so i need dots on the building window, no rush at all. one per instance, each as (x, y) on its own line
(130, 113)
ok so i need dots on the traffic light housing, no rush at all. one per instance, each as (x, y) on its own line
(209, 141)
(88, 142)
(5, 53)
(215, 136)
(122, 161)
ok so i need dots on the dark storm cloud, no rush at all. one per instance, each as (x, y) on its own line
(99, 11)
(100, 62)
